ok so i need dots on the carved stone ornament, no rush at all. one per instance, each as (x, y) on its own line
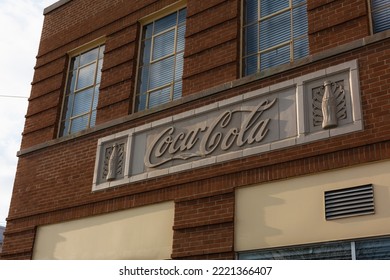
(112, 163)
(112, 167)
(329, 104)
(329, 110)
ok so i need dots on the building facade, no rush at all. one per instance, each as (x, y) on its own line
(1, 237)
(223, 129)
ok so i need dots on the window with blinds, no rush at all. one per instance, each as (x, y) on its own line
(161, 63)
(380, 10)
(82, 91)
(275, 33)
(366, 249)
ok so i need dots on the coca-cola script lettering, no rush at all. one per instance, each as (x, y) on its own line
(203, 140)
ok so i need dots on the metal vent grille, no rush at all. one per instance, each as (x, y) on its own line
(349, 202)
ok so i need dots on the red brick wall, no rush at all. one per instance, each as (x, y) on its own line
(53, 184)
(204, 226)
(212, 48)
(86, 21)
(334, 23)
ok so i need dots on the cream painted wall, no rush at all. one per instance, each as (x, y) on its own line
(140, 233)
(292, 212)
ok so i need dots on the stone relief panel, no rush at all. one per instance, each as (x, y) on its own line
(329, 102)
(112, 160)
(309, 108)
(113, 165)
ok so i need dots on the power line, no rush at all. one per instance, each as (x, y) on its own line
(13, 96)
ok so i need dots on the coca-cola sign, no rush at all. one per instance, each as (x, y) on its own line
(226, 130)
(203, 140)
(271, 118)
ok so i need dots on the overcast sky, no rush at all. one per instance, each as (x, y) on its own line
(20, 31)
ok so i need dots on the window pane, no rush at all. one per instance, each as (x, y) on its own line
(75, 63)
(64, 127)
(93, 118)
(379, 3)
(270, 7)
(86, 76)
(251, 39)
(88, 57)
(275, 57)
(82, 91)
(300, 21)
(181, 38)
(99, 71)
(381, 20)
(164, 44)
(301, 48)
(141, 102)
(79, 123)
(182, 16)
(165, 23)
(71, 81)
(250, 11)
(280, 25)
(177, 89)
(95, 98)
(161, 72)
(179, 66)
(82, 102)
(146, 46)
(296, 2)
(332, 251)
(68, 105)
(159, 97)
(162, 67)
(148, 30)
(271, 33)
(378, 249)
(143, 80)
(250, 65)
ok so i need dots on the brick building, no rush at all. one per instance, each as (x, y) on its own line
(216, 129)
(1, 237)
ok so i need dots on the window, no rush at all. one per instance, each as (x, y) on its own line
(161, 63)
(82, 91)
(275, 33)
(366, 249)
(380, 10)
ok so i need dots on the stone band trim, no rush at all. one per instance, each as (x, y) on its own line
(290, 127)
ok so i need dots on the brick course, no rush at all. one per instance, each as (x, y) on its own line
(334, 23)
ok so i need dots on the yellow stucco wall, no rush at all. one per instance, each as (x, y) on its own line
(140, 233)
(292, 212)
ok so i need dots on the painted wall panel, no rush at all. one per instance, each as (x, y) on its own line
(139, 233)
(292, 212)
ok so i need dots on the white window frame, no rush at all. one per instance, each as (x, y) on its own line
(289, 42)
(65, 123)
(174, 8)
